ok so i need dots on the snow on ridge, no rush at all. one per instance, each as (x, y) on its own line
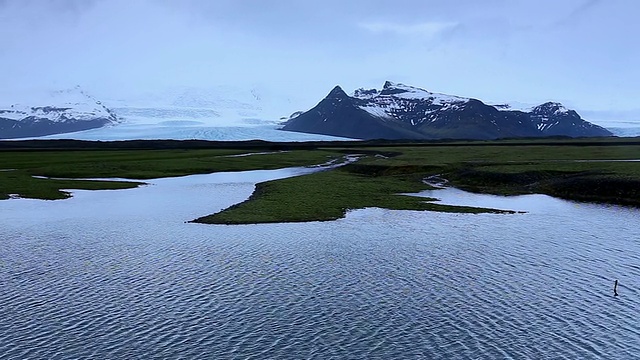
(415, 93)
(406, 92)
(376, 111)
(513, 106)
(56, 106)
(557, 107)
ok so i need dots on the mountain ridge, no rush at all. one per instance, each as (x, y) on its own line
(58, 112)
(399, 111)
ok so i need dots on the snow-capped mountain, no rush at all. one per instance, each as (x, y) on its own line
(405, 112)
(52, 113)
(553, 118)
(219, 113)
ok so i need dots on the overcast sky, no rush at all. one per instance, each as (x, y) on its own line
(584, 53)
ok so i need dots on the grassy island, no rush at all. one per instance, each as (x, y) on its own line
(595, 170)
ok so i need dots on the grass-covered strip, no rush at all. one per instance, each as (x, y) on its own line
(605, 182)
(376, 181)
(328, 195)
(130, 164)
(554, 167)
(151, 164)
(24, 185)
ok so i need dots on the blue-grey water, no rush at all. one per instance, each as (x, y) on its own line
(120, 275)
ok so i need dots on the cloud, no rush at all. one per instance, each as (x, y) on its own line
(427, 29)
(588, 4)
(494, 49)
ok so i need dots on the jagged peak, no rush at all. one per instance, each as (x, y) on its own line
(550, 104)
(337, 92)
(389, 84)
(363, 93)
(550, 107)
(408, 92)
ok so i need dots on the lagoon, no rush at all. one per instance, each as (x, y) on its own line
(120, 274)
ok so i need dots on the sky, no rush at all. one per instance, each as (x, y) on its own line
(583, 53)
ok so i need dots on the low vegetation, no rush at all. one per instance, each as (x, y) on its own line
(328, 195)
(583, 170)
(62, 166)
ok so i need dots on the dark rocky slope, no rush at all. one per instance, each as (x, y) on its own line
(405, 112)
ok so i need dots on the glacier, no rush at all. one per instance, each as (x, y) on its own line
(217, 113)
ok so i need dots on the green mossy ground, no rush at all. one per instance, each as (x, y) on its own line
(63, 166)
(328, 195)
(377, 181)
(386, 170)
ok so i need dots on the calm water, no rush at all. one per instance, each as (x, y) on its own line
(119, 274)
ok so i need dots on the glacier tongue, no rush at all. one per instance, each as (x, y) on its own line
(188, 130)
(219, 113)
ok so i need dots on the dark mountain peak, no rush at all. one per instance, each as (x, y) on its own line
(550, 108)
(337, 93)
(551, 104)
(401, 111)
(365, 93)
(391, 88)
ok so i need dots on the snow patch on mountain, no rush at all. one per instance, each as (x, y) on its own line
(401, 91)
(55, 106)
(224, 105)
(377, 111)
(399, 111)
(555, 107)
(395, 99)
(512, 106)
(414, 93)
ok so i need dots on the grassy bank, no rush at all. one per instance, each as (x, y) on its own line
(328, 195)
(130, 164)
(563, 170)
(584, 170)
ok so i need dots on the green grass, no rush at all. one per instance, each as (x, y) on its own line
(377, 180)
(26, 186)
(329, 195)
(150, 164)
(604, 182)
(129, 164)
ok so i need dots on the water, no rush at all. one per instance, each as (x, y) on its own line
(119, 274)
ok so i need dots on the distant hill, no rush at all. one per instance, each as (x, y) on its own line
(405, 112)
(54, 113)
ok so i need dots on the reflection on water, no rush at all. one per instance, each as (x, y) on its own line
(119, 274)
(522, 203)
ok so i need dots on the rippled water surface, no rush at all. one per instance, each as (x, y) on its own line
(119, 274)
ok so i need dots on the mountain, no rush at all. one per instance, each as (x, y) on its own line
(405, 112)
(218, 113)
(54, 113)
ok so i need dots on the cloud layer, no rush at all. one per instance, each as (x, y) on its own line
(581, 52)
